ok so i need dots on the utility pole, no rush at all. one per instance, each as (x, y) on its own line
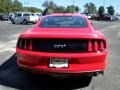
(73, 6)
(104, 3)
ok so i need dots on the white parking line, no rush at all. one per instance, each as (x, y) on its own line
(9, 46)
(6, 88)
(7, 49)
(118, 35)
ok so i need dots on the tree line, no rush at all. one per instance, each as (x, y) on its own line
(52, 7)
(7, 6)
(89, 8)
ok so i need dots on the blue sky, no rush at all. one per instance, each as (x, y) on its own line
(80, 3)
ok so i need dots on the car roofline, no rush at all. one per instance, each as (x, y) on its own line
(65, 14)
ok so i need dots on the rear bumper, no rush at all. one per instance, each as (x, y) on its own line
(32, 21)
(78, 63)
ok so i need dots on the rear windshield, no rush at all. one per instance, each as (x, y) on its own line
(63, 22)
(18, 15)
(26, 14)
(32, 14)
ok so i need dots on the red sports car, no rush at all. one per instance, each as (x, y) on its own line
(62, 44)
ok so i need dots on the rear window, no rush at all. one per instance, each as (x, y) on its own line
(26, 14)
(63, 22)
(32, 14)
(18, 15)
(37, 14)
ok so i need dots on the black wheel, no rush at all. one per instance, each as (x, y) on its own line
(24, 22)
(13, 22)
(34, 22)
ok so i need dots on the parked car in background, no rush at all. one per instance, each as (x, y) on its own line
(114, 18)
(84, 14)
(105, 16)
(4, 17)
(0, 17)
(110, 17)
(118, 16)
(89, 16)
(11, 15)
(37, 15)
(94, 16)
(24, 18)
(62, 44)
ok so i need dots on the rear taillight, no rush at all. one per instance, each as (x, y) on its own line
(90, 46)
(25, 44)
(30, 45)
(102, 46)
(96, 45)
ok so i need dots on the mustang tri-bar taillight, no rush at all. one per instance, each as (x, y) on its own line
(96, 45)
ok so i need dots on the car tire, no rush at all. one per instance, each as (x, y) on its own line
(24, 22)
(34, 22)
(13, 22)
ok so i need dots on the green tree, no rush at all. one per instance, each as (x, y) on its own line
(45, 4)
(77, 9)
(60, 9)
(17, 6)
(110, 10)
(101, 10)
(32, 9)
(49, 6)
(5, 6)
(90, 8)
(71, 9)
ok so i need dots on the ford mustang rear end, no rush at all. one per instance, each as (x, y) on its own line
(62, 44)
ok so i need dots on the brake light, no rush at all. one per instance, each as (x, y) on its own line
(96, 45)
(90, 46)
(30, 45)
(102, 46)
(20, 43)
(25, 44)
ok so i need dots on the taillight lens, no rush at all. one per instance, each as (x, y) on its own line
(90, 46)
(30, 45)
(96, 45)
(25, 44)
(102, 46)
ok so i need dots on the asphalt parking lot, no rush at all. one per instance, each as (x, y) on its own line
(11, 78)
